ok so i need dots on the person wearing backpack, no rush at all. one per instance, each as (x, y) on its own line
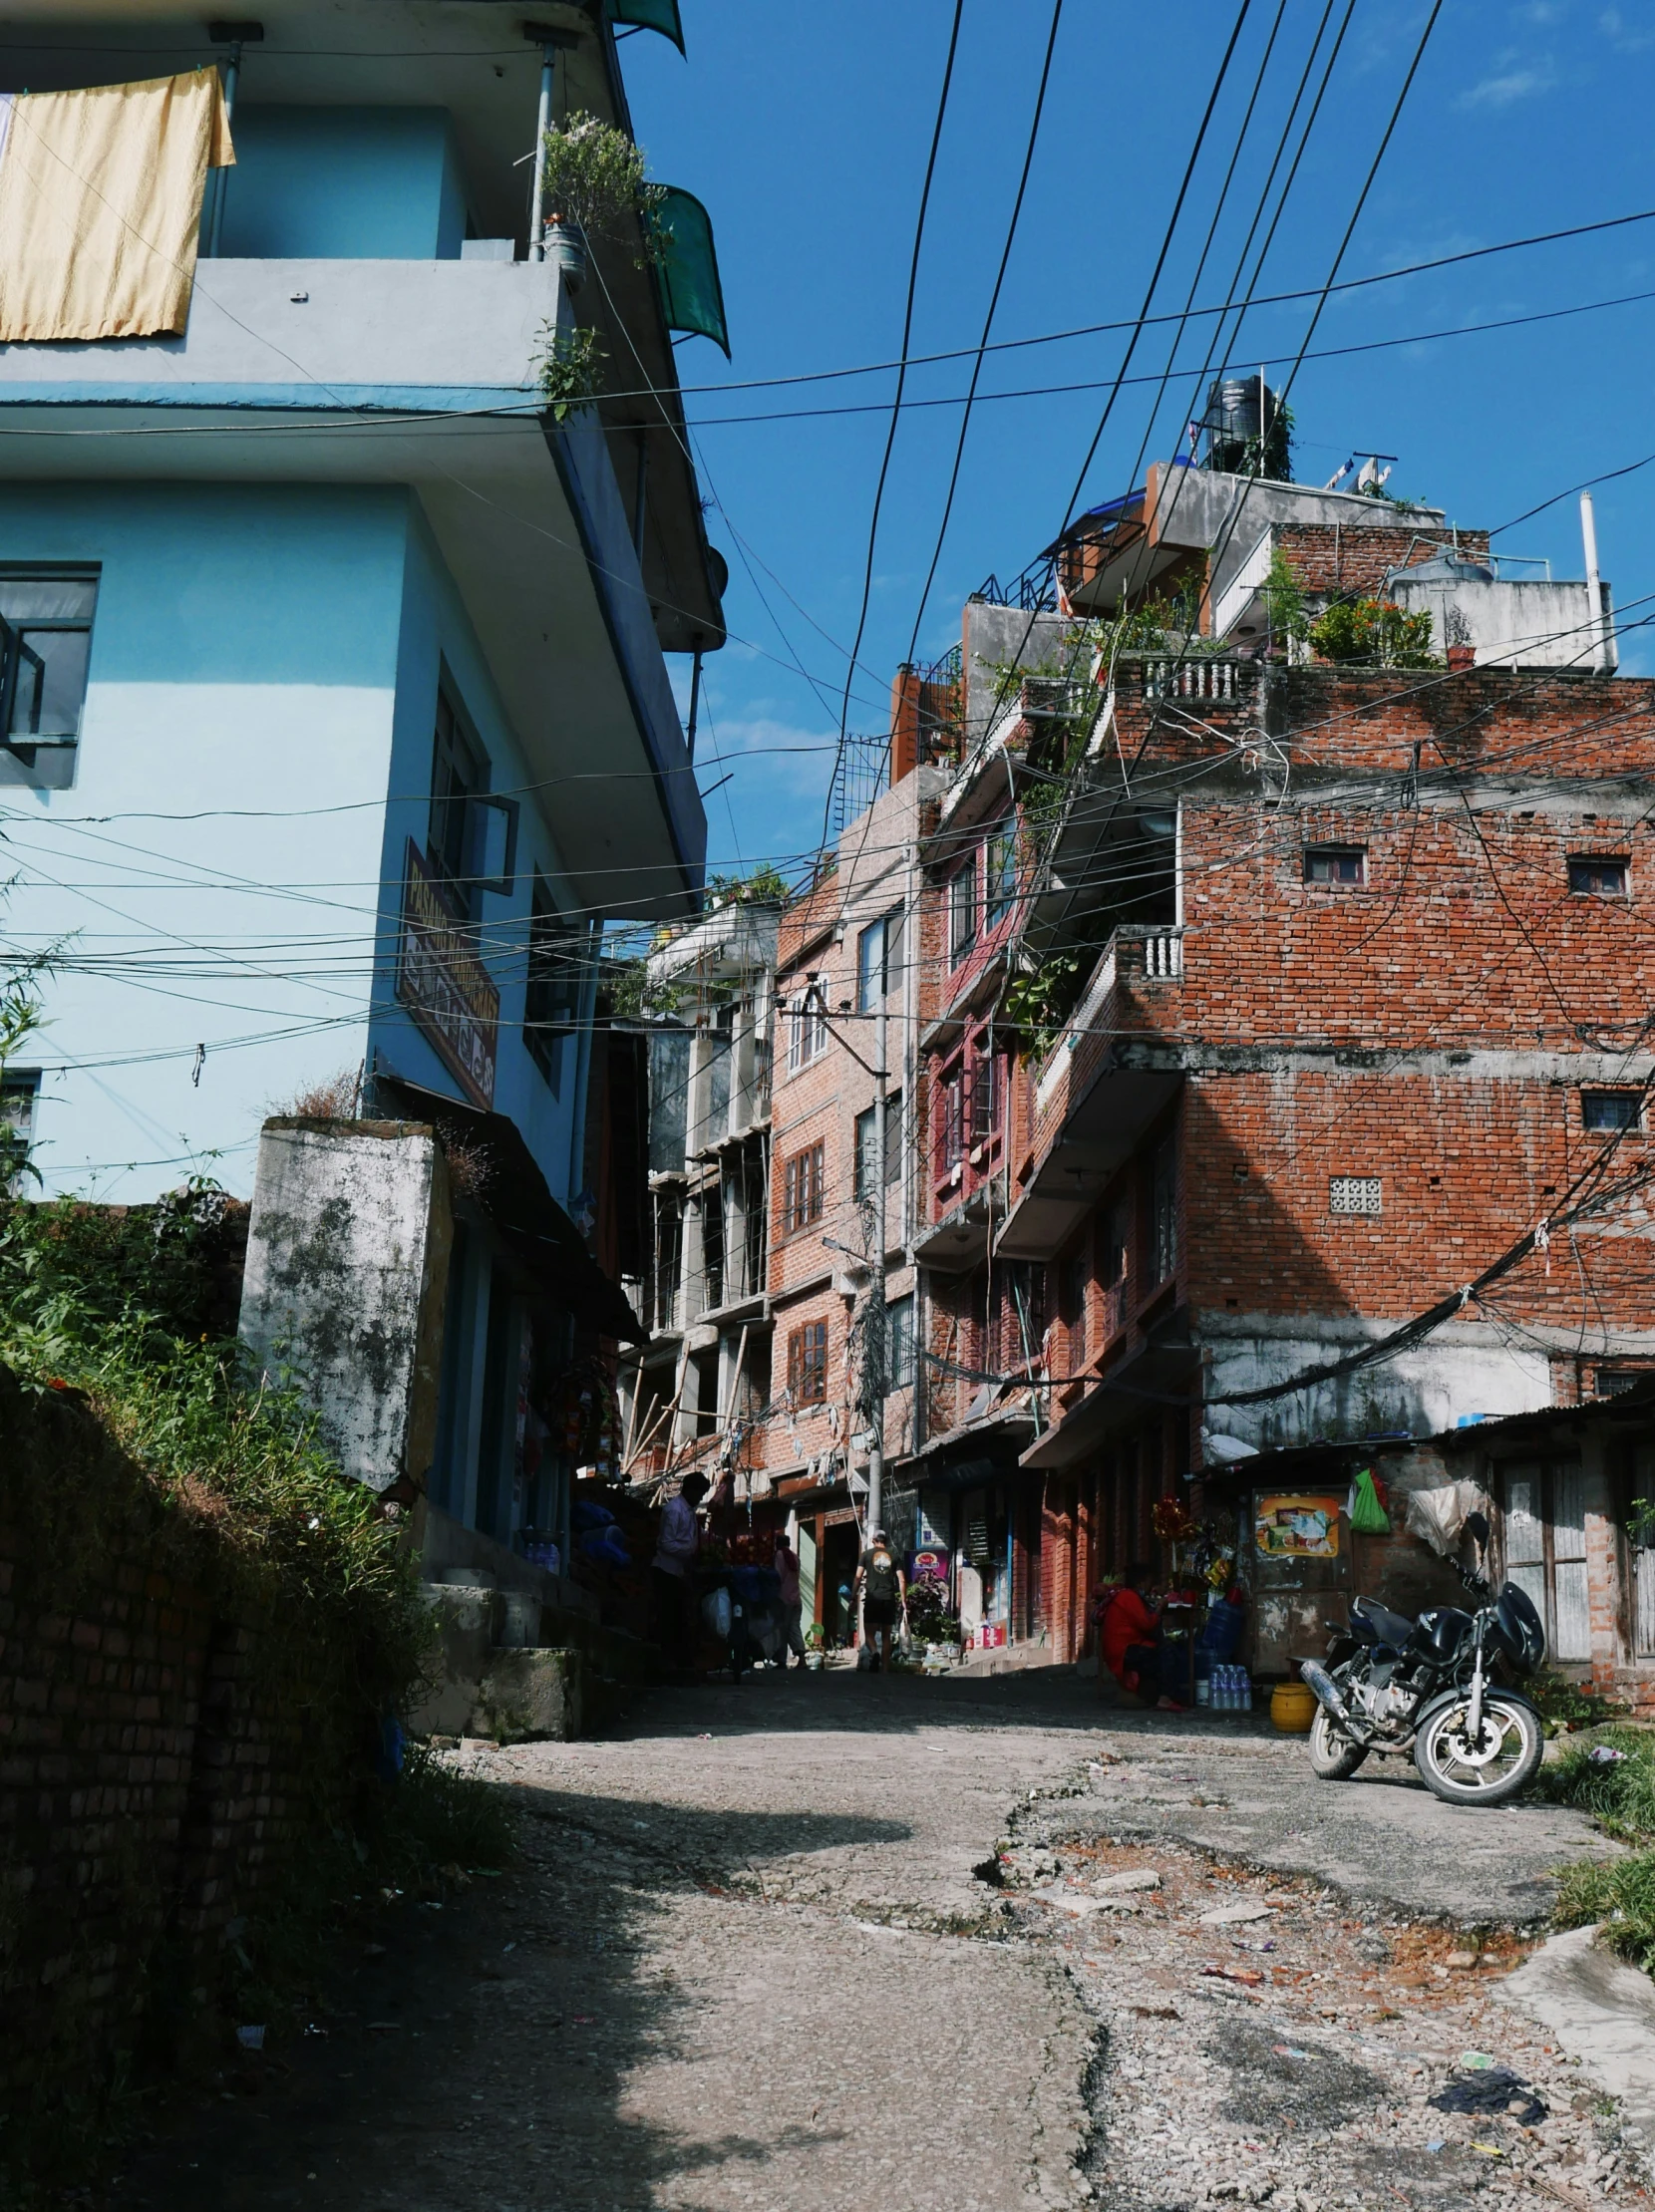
(885, 1595)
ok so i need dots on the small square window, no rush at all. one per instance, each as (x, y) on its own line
(1595, 876)
(1335, 865)
(1354, 1194)
(1605, 1111)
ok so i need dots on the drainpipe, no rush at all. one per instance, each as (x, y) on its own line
(695, 703)
(236, 36)
(1594, 588)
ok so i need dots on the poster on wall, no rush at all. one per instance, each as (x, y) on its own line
(929, 1565)
(1297, 1527)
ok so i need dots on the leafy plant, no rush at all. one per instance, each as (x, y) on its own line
(763, 886)
(1284, 607)
(596, 178)
(1376, 631)
(1038, 1000)
(571, 370)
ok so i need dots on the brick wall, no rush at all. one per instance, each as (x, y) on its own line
(1329, 558)
(163, 1756)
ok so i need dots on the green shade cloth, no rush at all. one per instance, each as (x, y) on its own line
(650, 15)
(690, 284)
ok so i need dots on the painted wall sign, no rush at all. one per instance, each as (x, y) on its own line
(444, 984)
(1297, 1527)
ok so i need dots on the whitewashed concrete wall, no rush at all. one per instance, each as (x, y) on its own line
(347, 1269)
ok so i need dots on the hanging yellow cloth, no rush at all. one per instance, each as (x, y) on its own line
(101, 205)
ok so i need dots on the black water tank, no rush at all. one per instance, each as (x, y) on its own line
(1238, 410)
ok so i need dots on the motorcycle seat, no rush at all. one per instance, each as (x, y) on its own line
(1376, 1624)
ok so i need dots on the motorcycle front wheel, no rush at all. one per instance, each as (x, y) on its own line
(1503, 1760)
(1333, 1755)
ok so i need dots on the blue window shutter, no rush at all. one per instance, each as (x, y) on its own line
(690, 286)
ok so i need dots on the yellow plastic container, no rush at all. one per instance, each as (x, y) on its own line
(1292, 1708)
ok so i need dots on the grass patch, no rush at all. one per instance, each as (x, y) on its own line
(1619, 1794)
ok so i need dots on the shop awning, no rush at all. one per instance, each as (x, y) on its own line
(690, 286)
(650, 15)
(513, 1192)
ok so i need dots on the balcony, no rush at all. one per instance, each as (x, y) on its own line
(1091, 1109)
(416, 374)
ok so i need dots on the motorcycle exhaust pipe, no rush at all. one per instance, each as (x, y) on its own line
(1327, 1692)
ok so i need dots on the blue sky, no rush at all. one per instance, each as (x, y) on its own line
(806, 131)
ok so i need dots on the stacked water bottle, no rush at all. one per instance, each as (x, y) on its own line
(1232, 1690)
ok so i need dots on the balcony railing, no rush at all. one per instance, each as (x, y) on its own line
(1200, 676)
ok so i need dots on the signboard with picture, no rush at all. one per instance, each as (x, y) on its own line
(1297, 1527)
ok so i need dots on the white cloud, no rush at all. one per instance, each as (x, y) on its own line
(1512, 81)
(1615, 28)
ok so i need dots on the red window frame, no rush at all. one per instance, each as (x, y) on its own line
(969, 1094)
(807, 1364)
(802, 1188)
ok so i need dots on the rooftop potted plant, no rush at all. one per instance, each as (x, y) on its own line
(594, 189)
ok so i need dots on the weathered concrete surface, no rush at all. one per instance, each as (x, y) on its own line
(347, 1270)
(1234, 1788)
(748, 1965)
(528, 1694)
(1603, 2011)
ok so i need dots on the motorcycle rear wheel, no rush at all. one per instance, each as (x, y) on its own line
(1333, 1757)
(1503, 1762)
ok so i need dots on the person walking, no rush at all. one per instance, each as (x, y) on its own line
(675, 1551)
(885, 1594)
(787, 1571)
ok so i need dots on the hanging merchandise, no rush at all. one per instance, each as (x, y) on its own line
(1172, 1520)
(1367, 1515)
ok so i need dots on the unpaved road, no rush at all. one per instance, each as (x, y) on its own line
(747, 1964)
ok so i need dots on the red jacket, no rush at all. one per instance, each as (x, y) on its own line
(1127, 1620)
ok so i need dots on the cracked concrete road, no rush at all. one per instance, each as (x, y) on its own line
(745, 1964)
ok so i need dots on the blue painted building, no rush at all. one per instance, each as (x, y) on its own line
(338, 718)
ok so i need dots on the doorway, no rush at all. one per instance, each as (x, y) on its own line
(839, 1556)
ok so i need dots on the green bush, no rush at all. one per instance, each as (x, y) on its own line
(1372, 630)
(1621, 1796)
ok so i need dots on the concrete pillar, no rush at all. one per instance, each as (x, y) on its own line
(1605, 1598)
(346, 1279)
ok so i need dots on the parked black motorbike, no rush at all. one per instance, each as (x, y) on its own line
(1437, 1687)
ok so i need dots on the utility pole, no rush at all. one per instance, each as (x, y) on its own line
(882, 1364)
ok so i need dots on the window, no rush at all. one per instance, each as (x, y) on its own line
(962, 912)
(1605, 1111)
(1543, 1528)
(802, 1189)
(456, 776)
(879, 961)
(1354, 1194)
(1335, 865)
(556, 955)
(951, 1118)
(45, 648)
(899, 1360)
(807, 1364)
(866, 1135)
(1072, 1281)
(806, 1026)
(1000, 877)
(985, 1092)
(1598, 878)
(19, 1104)
(1163, 1211)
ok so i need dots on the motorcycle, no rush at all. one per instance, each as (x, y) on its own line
(1438, 1688)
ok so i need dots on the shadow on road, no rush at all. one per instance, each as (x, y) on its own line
(475, 2055)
